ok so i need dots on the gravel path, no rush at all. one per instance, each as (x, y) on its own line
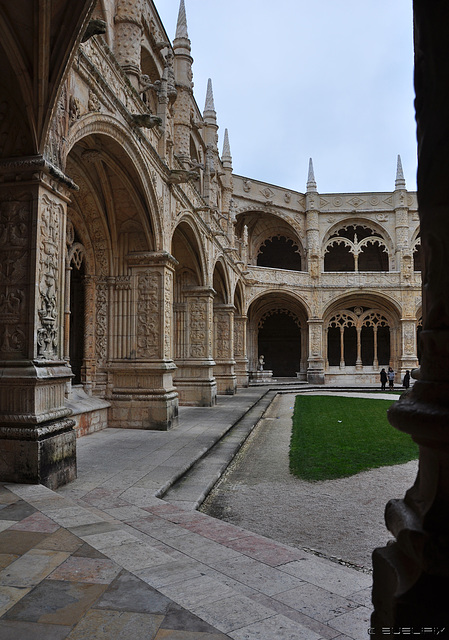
(339, 518)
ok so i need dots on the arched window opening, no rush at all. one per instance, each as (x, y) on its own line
(373, 257)
(281, 253)
(279, 341)
(339, 258)
(383, 345)
(333, 346)
(358, 337)
(77, 297)
(356, 248)
(367, 342)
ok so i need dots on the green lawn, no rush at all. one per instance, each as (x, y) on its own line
(334, 437)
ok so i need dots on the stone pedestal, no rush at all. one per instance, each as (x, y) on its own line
(261, 377)
(194, 378)
(37, 439)
(140, 386)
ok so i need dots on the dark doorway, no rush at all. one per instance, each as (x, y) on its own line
(76, 350)
(280, 343)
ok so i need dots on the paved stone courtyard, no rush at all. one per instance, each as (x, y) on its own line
(106, 558)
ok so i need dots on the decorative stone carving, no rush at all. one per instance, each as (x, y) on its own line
(14, 273)
(49, 278)
(148, 334)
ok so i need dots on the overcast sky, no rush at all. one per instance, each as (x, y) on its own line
(293, 79)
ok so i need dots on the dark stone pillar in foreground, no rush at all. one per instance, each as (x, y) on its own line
(411, 576)
(37, 439)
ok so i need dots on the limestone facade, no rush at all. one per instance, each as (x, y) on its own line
(139, 272)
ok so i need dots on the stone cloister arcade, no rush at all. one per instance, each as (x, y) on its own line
(138, 272)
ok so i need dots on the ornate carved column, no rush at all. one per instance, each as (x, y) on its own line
(224, 349)
(140, 386)
(37, 440)
(315, 371)
(411, 576)
(240, 354)
(194, 378)
(128, 37)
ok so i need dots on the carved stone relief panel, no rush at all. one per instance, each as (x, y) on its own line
(101, 324)
(198, 316)
(15, 218)
(168, 314)
(49, 285)
(409, 338)
(239, 336)
(148, 314)
(223, 327)
(315, 335)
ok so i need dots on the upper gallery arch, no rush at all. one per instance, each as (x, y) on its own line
(356, 245)
(272, 241)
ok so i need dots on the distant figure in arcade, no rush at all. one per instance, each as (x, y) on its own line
(261, 363)
(383, 379)
(406, 380)
(390, 375)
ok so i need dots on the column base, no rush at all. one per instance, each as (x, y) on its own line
(142, 396)
(315, 377)
(241, 372)
(39, 455)
(225, 378)
(196, 384)
(37, 439)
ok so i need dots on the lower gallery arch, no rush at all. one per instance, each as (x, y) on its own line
(361, 338)
(277, 330)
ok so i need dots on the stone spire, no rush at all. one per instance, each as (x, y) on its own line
(311, 183)
(400, 180)
(181, 27)
(209, 107)
(226, 157)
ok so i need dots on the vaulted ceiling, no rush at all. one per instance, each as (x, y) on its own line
(38, 39)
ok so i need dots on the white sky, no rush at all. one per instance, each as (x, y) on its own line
(293, 79)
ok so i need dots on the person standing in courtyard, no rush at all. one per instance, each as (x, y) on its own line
(390, 378)
(406, 380)
(383, 379)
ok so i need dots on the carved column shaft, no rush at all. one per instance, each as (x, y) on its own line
(141, 367)
(128, 37)
(37, 441)
(240, 350)
(315, 371)
(224, 349)
(194, 378)
(411, 576)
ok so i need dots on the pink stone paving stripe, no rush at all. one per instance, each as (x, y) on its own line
(218, 531)
(36, 522)
(263, 550)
